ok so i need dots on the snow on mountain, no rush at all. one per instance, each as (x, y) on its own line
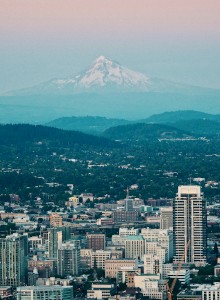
(104, 75)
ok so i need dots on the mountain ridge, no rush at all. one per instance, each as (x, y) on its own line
(107, 76)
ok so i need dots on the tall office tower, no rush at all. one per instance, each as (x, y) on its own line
(13, 260)
(54, 241)
(96, 241)
(189, 225)
(68, 259)
(166, 217)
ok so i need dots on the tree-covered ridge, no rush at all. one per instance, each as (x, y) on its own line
(19, 134)
(175, 116)
(199, 127)
(88, 124)
(141, 131)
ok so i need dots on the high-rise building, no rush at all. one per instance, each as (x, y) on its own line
(96, 241)
(54, 241)
(13, 260)
(189, 225)
(166, 217)
(68, 260)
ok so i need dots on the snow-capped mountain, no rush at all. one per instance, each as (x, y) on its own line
(105, 75)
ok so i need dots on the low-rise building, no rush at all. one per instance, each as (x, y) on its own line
(45, 292)
(113, 265)
(99, 257)
(101, 291)
(183, 275)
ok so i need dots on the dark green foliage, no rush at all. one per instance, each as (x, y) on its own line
(30, 161)
(176, 116)
(199, 127)
(141, 131)
(87, 124)
(207, 270)
(21, 134)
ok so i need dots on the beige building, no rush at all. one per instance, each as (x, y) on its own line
(113, 265)
(134, 247)
(86, 259)
(72, 202)
(162, 238)
(56, 220)
(99, 257)
(166, 217)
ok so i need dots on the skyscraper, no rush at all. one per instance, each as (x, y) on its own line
(54, 241)
(13, 260)
(189, 225)
(68, 259)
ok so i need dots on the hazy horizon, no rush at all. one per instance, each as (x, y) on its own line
(173, 40)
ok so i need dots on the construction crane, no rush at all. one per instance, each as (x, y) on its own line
(170, 289)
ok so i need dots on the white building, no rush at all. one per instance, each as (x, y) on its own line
(161, 237)
(45, 292)
(189, 225)
(149, 285)
(128, 231)
(100, 291)
(210, 292)
(183, 275)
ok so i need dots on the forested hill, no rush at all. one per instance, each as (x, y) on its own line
(199, 127)
(175, 116)
(141, 131)
(88, 124)
(20, 134)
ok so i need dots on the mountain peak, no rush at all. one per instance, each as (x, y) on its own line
(102, 59)
(103, 75)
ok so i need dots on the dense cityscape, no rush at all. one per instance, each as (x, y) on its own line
(121, 250)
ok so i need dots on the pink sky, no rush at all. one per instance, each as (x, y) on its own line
(108, 16)
(175, 39)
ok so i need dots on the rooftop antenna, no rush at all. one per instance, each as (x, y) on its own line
(127, 196)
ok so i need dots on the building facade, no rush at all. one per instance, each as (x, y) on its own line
(166, 217)
(96, 241)
(54, 241)
(68, 260)
(13, 260)
(189, 225)
(45, 292)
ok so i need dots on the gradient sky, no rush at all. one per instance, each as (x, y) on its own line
(172, 39)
